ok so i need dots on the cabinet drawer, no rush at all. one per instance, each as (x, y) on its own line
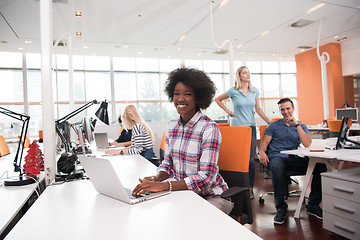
(341, 226)
(341, 207)
(340, 188)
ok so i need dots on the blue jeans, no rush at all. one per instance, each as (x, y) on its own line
(252, 157)
(148, 153)
(279, 165)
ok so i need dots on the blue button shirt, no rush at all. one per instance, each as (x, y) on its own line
(283, 138)
(244, 106)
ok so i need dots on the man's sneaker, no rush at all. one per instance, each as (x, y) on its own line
(280, 216)
(314, 210)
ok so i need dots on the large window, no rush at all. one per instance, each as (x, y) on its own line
(137, 81)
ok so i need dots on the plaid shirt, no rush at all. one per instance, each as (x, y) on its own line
(191, 154)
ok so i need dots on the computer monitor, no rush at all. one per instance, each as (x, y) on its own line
(348, 113)
(343, 136)
(87, 129)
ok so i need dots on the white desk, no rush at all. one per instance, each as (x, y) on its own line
(12, 198)
(353, 157)
(320, 157)
(76, 210)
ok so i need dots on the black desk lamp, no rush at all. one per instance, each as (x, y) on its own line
(21, 180)
(63, 126)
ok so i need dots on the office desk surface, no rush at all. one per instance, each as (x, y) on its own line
(75, 209)
(12, 198)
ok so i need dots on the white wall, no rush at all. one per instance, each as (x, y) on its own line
(114, 130)
(350, 55)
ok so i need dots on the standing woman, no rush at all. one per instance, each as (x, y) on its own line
(192, 142)
(141, 137)
(245, 99)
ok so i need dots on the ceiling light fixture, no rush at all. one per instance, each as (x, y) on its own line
(341, 39)
(239, 46)
(182, 37)
(78, 14)
(315, 8)
(265, 33)
(20, 48)
(336, 36)
(301, 23)
(223, 3)
(85, 47)
(28, 41)
(78, 34)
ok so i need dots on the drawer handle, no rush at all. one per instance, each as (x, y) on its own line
(344, 208)
(350, 230)
(343, 189)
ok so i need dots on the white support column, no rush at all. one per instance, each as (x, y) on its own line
(324, 59)
(47, 90)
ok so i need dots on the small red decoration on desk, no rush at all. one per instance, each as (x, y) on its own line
(34, 160)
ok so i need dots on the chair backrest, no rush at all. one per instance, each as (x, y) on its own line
(223, 124)
(41, 134)
(27, 141)
(234, 157)
(121, 129)
(162, 148)
(262, 129)
(234, 152)
(275, 119)
(4, 148)
(334, 125)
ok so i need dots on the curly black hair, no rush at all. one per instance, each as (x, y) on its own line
(203, 86)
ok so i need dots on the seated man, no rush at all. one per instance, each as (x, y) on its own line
(287, 134)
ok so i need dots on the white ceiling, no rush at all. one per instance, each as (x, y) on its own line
(154, 26)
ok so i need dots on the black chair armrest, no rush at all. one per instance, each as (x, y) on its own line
(233, 191)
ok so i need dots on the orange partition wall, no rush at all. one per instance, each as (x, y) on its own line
(309, 83)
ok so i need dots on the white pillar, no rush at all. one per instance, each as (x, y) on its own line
(47, 90)
(324, 59)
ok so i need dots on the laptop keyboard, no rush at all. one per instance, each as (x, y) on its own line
(131, 196)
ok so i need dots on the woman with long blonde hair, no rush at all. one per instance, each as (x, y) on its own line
(141, 138)
(245, 99)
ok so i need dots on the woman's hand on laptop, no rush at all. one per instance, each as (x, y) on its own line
(150, 186)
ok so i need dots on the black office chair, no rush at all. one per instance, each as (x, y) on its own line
(233, 163)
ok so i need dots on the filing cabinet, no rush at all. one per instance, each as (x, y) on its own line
(341, 202)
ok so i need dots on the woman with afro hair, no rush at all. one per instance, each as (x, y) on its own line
(192, 142)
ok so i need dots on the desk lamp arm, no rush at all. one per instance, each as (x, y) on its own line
(25, 119)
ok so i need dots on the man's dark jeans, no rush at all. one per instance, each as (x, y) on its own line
(279, 166)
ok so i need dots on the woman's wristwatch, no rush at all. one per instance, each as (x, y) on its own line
(296, 125)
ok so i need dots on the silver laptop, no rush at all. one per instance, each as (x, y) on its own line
(105, 180)
(101, 140)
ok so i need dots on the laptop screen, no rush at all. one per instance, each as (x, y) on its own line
(343, 133)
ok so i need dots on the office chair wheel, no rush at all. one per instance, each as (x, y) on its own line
(261, 200)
